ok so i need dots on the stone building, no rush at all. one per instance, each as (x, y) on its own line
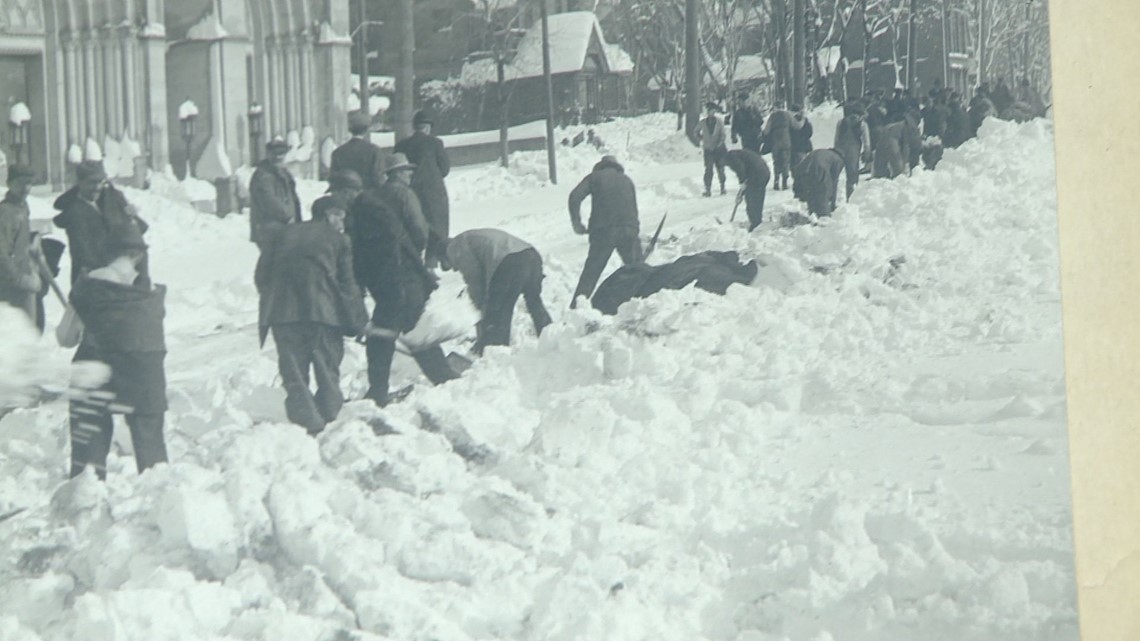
(108, 76)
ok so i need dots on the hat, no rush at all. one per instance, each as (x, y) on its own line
(89, 169)
(712, 106)
(359, 122)
(345, 179)
(20, 172)
(609, 158)
(396, 162)
(277, 145)
(423, 117)
(125, 236)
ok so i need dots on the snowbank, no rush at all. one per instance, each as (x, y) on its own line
(866, 444)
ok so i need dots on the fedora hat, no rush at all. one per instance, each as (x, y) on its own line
(396, 162)
(277, 145)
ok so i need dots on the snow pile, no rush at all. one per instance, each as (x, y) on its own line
(867, 443)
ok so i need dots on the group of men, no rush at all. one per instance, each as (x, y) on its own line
(382, 229)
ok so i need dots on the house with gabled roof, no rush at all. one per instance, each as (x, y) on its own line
(591, 77)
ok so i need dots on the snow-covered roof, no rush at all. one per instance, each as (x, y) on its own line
(570, 37)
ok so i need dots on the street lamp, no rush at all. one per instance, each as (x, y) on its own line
(18, 117)
(188, 116)
(255, 114)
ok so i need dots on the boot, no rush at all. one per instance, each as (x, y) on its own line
(706, 193)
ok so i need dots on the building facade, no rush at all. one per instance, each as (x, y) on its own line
(106, 78)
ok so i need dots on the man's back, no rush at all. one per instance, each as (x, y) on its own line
(361, 156)
(613, 196)
(302, 278)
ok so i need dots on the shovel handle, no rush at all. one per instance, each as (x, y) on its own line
(45, 272)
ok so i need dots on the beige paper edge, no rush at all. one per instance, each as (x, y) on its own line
(1096, 68)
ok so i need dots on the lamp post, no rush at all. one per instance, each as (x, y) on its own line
(255, 114)
(18, 117)
(188, 116)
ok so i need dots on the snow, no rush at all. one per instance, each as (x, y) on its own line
(208, 28)
(19, 114)
(847, 449)
(187, 109)
(570, 35)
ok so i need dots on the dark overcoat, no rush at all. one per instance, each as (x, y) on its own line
(273, 201)
(90, 229)
(427, 153)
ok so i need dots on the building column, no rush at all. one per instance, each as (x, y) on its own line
(71, 91)
(129, 51)
(292, 118)
(114, 63)
(306, 93)
(271, 106)
(155, 134)
(90, 91)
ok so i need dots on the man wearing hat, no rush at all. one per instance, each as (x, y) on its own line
(272, 195)
(778, 137)
(426, 152)
(19, 275)
(613, 221)
(123, 328)
(310, 301)
(92, 213)
(853, 142)
(710, 132)
(359, 154)
(398, 195)
(344, 186)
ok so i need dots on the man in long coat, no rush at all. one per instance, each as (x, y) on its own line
(19, 274)
(498, 268)
(273, 196)
(427, 153)
(817, 180)
(613, 221)
(747, 123)
(853, 142)
(401, 199)
(753, 174)
(388, 265)
(358, 154)
(92, 213)
(123, 327)
(310, 301)
(778, 137)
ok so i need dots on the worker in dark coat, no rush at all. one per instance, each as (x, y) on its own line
(401, 199)
(891, 151)
(19, 271)
(957, 123)
(91, 213)
(613, 222)
(801, 136)
(359, 154)
(123, 327)
(344, 186)
(712, 271)
(778, 138)
(853, 142)
(817, 180)
(747, 124)
(310, 301)
(273, 201)
(389, 267)
(427, 153)
(498, 268)
(753, 174)
(981, 107)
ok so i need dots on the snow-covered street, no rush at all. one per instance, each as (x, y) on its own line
(866, 444)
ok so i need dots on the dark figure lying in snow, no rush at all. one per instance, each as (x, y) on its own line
(712, 271)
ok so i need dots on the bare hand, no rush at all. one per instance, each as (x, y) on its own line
(579, 229)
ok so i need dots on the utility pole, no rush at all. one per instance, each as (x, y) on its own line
(945, 48)
(551, 162)
(910, 40)
(982, 35)
(1028, 17)
(799, 53)
(405, 71)
(692, 69)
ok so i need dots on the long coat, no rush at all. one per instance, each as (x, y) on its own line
(273, 201)
(361, 156)
(90, 227)
(817, 180)
(402, 200)
(426, 152)
(15, 240)
(123, 327)
(306, 276)
(613, 198)
(388, 264)
(778, 129)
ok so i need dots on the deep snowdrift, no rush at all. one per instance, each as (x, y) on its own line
(867, 444)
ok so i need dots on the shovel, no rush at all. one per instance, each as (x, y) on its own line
(739, 198)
